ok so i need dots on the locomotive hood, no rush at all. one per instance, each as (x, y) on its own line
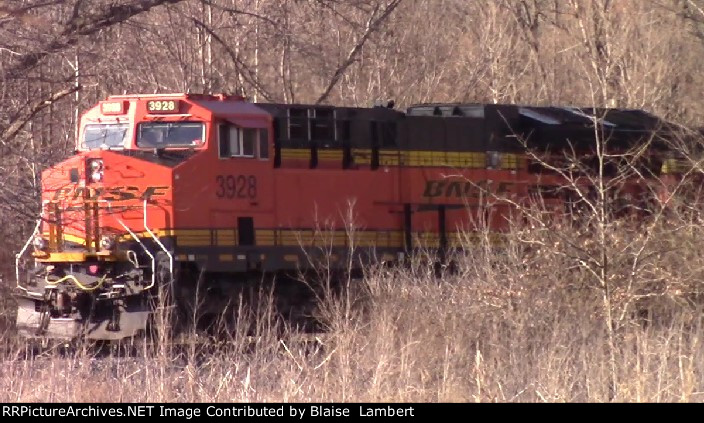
(108, 190)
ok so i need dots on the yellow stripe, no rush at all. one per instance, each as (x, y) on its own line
(291, 238)
(510, 161)
(79, 256)
(279, 237)
(426, 239)
(330, 154)
(193, 237)
(295, 153)
(674, 166)
(458, 159)
(226, 237)
(69, 238)
(186, 242)
(145, 234)
(362, 156)
(389, 158)
(193, 232)
(265, 237)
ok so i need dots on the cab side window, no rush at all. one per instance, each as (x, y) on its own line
(234, 141)
(249, 142)
(263, 144)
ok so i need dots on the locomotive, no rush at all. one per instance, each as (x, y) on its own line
(196, 194)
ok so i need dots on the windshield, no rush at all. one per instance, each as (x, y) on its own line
(171, 134)
(104, 135)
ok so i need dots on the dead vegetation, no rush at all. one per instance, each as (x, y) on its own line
(563, 310)
(515, 323)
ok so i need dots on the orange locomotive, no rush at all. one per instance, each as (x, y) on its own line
(169, 190)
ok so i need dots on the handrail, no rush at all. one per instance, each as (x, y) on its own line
(136, 238)
(19, 255)
(146, 250)
(146, 227)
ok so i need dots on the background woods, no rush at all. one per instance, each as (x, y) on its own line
(553, 317)
(58, 57)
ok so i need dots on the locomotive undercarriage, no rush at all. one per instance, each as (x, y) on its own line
(219, 303)
(112, 301)
(100, 300)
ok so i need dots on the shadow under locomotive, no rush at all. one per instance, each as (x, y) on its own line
(122, 300)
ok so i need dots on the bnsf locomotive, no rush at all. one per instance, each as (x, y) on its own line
(195, 194)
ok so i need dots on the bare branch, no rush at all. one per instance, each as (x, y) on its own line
(83, 24)
(249, 75)
(11, 131)
(372, 25)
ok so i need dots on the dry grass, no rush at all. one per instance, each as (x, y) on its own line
(514, 324)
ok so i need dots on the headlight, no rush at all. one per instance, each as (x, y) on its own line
(95, 169)
(107, 242)
(40, 243)
(96, 176)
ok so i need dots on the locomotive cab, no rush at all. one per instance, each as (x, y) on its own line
(144, 122)
(106, 233)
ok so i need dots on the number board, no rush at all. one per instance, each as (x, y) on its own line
(112, 107)
(236, 186)
(163, 106)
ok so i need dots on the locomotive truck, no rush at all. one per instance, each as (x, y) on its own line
(199, 194)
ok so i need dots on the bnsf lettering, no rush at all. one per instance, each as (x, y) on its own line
(111, 208)
(153, 192)
(121, 193)
(461, 189)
